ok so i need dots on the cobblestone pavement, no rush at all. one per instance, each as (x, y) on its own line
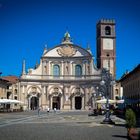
(70, 125)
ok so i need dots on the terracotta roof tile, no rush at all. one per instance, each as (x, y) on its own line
(11, 79)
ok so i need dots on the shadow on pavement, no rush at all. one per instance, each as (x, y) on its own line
(120, 136)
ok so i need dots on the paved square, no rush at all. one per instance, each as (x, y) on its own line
(75, 125)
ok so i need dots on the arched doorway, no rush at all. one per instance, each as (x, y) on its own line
(34, 103)
(78, 102)
(56, 102)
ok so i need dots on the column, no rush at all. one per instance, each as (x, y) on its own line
(71, 68)
(73, 103)
(61, 102)
(19, 89)
(83, 103)
(42, 96)
(86, 97)
(67, 68)
(63, 96)
(50, 102)
(50, 68)
(62, 67)
(43, 67)
(29, 100)
(83, 68)
(91, 66)
(25, 94)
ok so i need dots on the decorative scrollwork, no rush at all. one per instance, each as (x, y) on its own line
(66, 50)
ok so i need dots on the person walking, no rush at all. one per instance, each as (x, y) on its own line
(48, 110)
(55, 110)
(39, 108)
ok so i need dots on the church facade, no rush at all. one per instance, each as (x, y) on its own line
(66, 77)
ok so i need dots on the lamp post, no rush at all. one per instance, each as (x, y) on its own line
(107, 81)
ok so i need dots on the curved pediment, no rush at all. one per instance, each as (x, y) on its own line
(67, 50)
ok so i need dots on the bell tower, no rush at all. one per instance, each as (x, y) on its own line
(106, 45)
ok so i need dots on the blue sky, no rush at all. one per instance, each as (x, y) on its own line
(27, 25)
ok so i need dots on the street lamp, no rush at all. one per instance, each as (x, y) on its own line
(94, 108)
(107, 82)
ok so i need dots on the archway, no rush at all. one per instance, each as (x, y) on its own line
(34, 103)
(56, 102)
(78, 102)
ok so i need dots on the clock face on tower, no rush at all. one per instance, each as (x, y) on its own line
(107, 44)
